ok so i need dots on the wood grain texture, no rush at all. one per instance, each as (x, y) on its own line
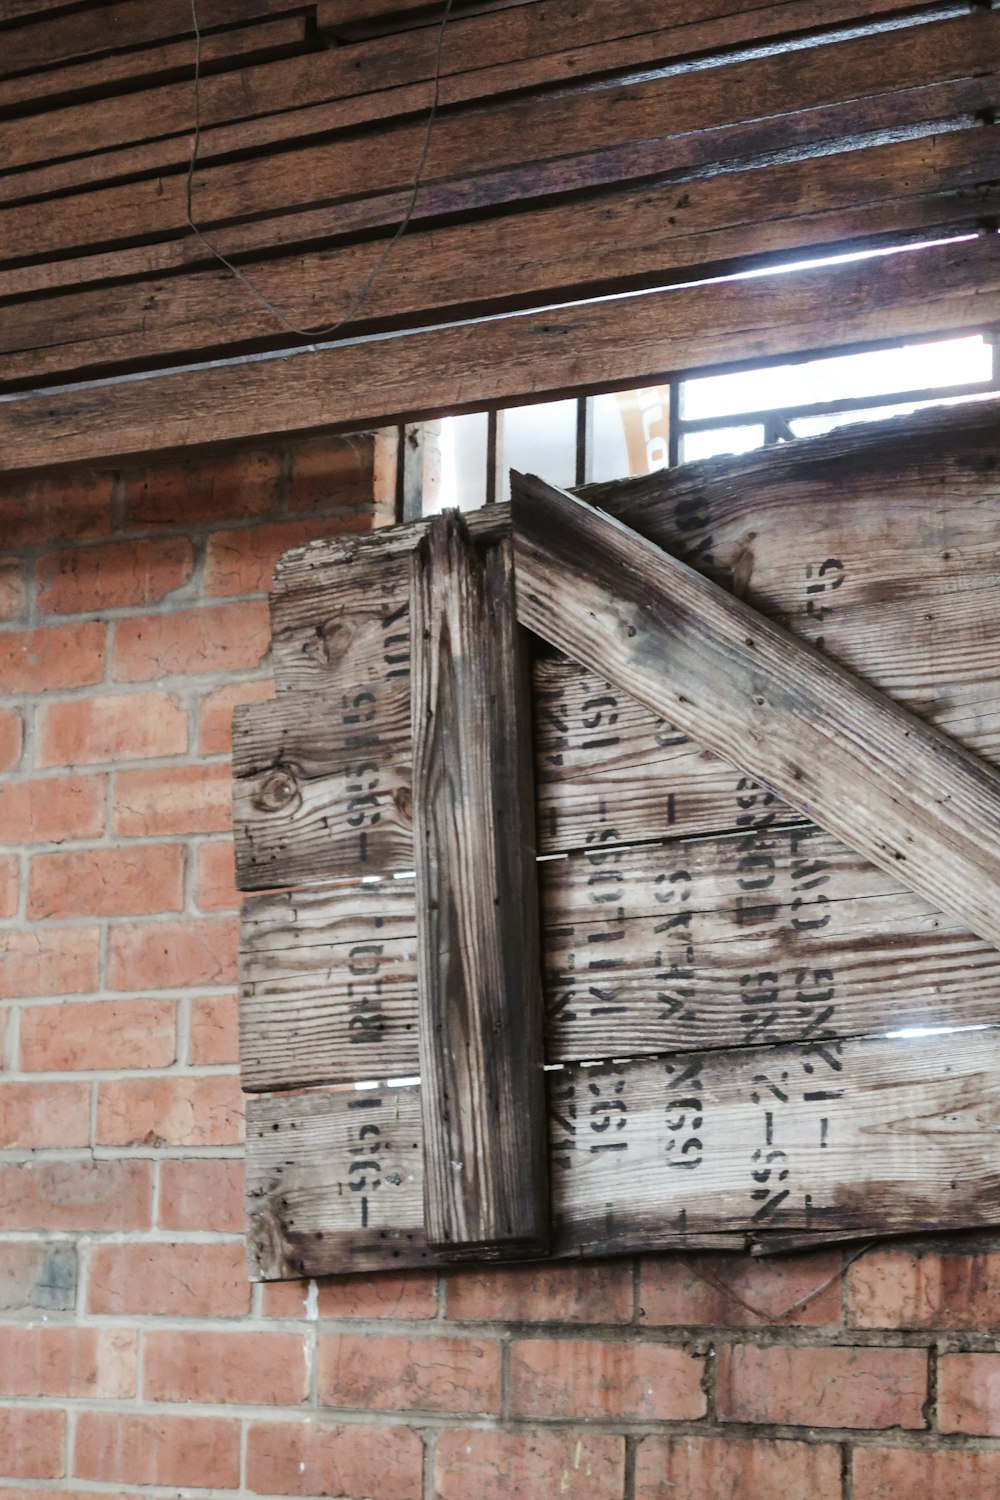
(539, 44)
(478, 954)
(947, 288)
(43, 95)
(616, 240)
(877, 542)
(513, 134)
(883, 1136)
(771, 934)
(323, 786)
(902, 793)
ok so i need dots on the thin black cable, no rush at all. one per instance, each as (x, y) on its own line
(369, 281)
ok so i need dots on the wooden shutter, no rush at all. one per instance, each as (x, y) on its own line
(769, 980)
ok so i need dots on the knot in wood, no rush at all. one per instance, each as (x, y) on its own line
(276, 791)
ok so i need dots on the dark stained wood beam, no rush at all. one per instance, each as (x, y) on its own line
(478, 948)
(948, 288)
(898, 791)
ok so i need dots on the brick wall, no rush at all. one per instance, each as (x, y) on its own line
(135, 1357)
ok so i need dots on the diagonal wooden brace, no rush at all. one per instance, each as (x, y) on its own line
(897, 790)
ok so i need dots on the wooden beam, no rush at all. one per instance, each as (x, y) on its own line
(478, 955)
(616, 342)
(885, 1136)
(899, 791)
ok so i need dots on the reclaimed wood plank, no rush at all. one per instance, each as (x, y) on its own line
(882, 1136)
(771, 934)
(478, 958)
(543, 43)
(805, 132)
(901, 792)
(631, 238)
(323, 786)
(61, 89)
(614, 342)
(513, 134)
(45, 42)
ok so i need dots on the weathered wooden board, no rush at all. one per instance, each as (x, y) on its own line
(817, 533)
(639, 236)
(515, 134)
(769, 935)
(795, 530)
(323, 786)
(120, 73)
(931, 108)
(904, 794)
(479, 959)
(609, 343)
(881, 1136)
(46, 41)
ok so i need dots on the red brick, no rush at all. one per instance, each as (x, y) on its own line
(178, 1280)
(221, 638)
(129, 881)
(57, 961)
(65, 508)
(52, 657)
(170, 1111)
(397, 1373)
(126, 1448)
(103, 1034)
(215, 1031)
(174, 799)
(676, 1292)
(494, 1465)
(229, 486)
(332, 471)
(122, 726)
(969, 1394)
(710, 1468)
(896, 1288)
(13, 591)
(593, 1378)
(351, 1463)
(173, 955)
(411, 1294)
(242, 561)
(215, 882)
(599, 1292)
(36, 1115)
(114, 576)
(58, 1361)
(36, 1276)
(202, 1195)
(215, 719)
(255, 1369)
(11, 738)
(32, 1442)
(52, 809)
(895, 1473)
(10, 884)
(76, 1195)
(822, 1387)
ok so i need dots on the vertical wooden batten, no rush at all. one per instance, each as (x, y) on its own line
(479, 961)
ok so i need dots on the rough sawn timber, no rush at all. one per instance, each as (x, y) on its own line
(772, 935)
(902, 793)
(478, 955)
(883, 1136)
